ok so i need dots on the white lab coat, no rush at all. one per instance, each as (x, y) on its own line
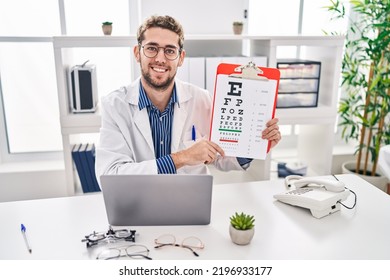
(126, 145)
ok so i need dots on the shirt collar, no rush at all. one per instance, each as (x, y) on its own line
(144, 100)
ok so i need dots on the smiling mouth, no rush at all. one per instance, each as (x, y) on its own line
(159, 69)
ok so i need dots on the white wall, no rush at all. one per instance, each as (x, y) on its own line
(200, 16)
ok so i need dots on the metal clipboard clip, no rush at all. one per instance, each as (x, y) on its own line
(249, 71)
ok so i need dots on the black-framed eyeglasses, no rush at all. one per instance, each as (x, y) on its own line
(151, 51)
(110, 236)
(190, 243)
(135, 251)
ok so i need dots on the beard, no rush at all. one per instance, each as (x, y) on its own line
(158, 85)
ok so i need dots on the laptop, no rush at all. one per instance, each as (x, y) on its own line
(157, 200)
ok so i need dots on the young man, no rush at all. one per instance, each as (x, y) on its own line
(149, 126)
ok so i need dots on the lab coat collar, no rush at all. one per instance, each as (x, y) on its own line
(180, 114)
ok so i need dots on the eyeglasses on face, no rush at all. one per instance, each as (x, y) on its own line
(190, 243)
(151, 51)
(135, 251)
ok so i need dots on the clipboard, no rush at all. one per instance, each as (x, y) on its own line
(244, 100)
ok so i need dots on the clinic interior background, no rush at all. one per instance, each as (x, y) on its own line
(31, 159)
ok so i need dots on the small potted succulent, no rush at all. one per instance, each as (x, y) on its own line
(238, 27)
(107, 27)
(242, 228)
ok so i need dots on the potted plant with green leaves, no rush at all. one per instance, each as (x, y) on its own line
(365, 110)
(107, 27)
(238, 26)
(241, 228)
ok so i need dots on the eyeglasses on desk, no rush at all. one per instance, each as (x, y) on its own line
(190, 243)
(134, 251)
(110, 236)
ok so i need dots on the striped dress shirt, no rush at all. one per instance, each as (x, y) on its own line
(161, 126)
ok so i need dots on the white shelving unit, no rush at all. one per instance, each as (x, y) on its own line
(314, 144)
(73, 124)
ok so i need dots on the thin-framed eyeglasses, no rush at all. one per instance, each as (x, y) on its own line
(134, 251)
(170, 52)
(191, 243)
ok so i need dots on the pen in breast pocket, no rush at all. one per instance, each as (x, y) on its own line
(193, 133)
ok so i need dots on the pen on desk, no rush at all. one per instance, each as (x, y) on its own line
(23, 230)
(193, 133)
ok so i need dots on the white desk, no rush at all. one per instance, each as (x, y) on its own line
(56, 226)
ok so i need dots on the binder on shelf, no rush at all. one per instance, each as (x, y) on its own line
(193, 71)
(244, 100)
(79, 167)
(85, 165)
(90, 154)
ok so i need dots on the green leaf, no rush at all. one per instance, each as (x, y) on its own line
(242, 221)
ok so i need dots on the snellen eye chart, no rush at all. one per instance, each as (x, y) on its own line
(241, 110)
